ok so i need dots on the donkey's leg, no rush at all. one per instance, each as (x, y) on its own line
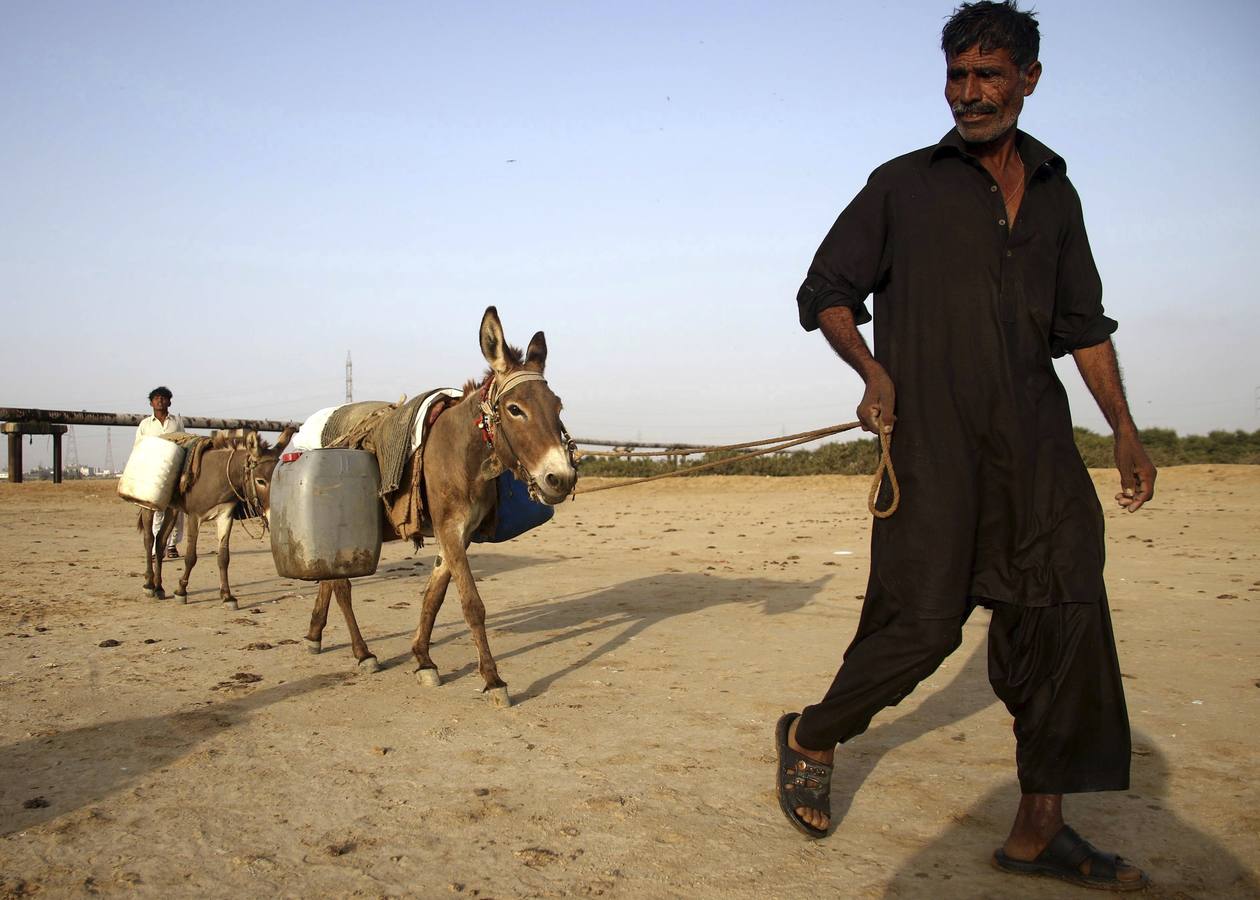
(145, 524)
(475, 616)
(190, 558)
(223, 528)
(367, 660)
(319, 617)
(168, 525)
(434, 593)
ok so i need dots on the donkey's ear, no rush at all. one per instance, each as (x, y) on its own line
(537, 352)
(283, 440)
(251, 441)
(493, 344)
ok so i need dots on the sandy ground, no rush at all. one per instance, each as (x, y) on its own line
(650, 637)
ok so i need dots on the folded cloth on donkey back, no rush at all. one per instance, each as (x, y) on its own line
(379, 428)
(392, 431)
(195, 446)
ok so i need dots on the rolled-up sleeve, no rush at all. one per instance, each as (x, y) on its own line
(1078, 311)
(852, 261)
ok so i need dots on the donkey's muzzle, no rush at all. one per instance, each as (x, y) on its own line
(554, 489)
(559, 486)
(555, 478)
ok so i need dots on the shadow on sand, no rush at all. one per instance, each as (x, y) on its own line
(204, 585)
(608, 619)
(73, 769)
(1181, 859)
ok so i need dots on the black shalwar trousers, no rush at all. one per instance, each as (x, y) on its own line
(1054, 667)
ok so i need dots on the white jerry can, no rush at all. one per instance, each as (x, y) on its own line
(151, 473)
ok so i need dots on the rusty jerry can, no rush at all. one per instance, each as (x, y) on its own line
(326, 514)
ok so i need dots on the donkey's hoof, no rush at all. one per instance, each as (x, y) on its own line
(429, 677)
(369, 665)
(148, 592)
(499, 697)
(182, 598)
(158, 594)
(313, 646)
(230, 603)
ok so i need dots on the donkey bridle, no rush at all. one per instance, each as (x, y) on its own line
(492, 395)
(250, 501)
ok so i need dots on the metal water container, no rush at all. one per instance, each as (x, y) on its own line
(151, 473)
(326, 515)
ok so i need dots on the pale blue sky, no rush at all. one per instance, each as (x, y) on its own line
(227, 197)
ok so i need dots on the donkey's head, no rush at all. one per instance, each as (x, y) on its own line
(262, 465)
(524, 414)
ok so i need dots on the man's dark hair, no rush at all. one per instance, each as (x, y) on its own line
(160, 391)
(994, 26)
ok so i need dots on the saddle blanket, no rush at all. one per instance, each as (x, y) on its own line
(310, 435)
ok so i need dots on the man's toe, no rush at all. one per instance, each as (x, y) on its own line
(813, 817)
(1125, 871)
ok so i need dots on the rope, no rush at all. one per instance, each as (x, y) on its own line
(257, 537)
(252, 507)
(885, 465)
(804, 437)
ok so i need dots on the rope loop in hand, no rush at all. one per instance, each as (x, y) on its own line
(885, 465)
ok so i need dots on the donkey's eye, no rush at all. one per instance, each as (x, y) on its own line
(516, 410)
(261, 482)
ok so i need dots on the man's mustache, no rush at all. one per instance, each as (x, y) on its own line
(980, 108)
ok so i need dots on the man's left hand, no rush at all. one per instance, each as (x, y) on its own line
(1137, 473)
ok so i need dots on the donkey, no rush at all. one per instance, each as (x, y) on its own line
(510, 420)
(239, 473)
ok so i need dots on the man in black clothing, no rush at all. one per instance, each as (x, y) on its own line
(976, 252)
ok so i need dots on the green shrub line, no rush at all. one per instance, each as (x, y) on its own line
(860, 457)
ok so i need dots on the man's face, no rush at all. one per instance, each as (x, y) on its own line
(160, 404)
(986, 92)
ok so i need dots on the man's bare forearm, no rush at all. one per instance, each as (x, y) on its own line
(840, 330)
(876, 411)
(1100, 369)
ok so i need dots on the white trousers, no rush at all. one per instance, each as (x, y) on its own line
(176, 536)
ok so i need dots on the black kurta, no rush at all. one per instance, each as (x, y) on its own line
(996, 502)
